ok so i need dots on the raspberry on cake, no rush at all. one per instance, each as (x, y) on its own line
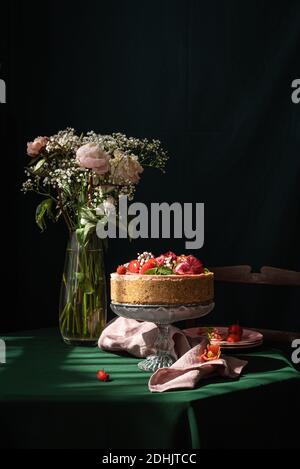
(121, 270)
(166, 279)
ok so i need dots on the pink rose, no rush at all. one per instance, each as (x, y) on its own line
(168, 255)
(191, 265)
(125, 168)
(171, 254)
(34, 148)
(183, 268)
(195, 264)
(91, 156)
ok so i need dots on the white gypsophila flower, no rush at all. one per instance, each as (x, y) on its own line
(144, 257)
(55, 172)
(64, 141)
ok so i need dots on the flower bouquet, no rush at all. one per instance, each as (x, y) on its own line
(76, 174)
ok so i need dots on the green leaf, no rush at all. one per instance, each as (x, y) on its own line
(164, 270)
(42, 209)
(79, 235)
(85, 283)
(88, 229)
(88, 286)
(39, 165)
(83, 233)
(88, 216)
(159, 271)
(79, 277)
(151, 271)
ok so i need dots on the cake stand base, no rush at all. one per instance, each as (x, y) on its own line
(162, 316)
(154, 362)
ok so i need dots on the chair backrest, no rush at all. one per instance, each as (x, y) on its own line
(267, 275)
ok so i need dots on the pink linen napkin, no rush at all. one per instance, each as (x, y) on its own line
(188, 370)
(137, 338)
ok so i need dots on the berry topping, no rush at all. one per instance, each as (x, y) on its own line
(134, 267)
(121, 270)
(165, 264)
(150, 264)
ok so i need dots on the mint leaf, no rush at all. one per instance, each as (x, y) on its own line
(164, 270)
(159, 271)
(151, 271)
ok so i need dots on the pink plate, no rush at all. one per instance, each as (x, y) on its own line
(249, 339)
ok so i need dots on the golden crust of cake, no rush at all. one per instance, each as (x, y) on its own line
(162, 289)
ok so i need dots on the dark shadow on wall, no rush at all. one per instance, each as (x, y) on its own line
(212, 80)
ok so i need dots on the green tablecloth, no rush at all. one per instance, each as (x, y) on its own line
(50, 398)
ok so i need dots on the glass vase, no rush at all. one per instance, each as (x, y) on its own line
(83, 302)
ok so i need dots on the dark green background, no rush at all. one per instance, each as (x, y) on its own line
(212, 80)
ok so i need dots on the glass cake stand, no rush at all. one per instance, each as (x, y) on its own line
(162, 316)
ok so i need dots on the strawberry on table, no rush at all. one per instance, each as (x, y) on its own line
(102, 375)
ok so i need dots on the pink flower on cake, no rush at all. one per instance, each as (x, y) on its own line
(34, 148)
(160, 260)
(195, 264)
(92, 157)
(170, 256)
(190, 265)
(183, 268)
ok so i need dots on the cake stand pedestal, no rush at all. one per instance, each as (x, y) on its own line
(162, 316)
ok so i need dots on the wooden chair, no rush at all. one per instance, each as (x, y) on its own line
(268, 276)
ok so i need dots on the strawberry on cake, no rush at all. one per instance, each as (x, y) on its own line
(166, 279)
